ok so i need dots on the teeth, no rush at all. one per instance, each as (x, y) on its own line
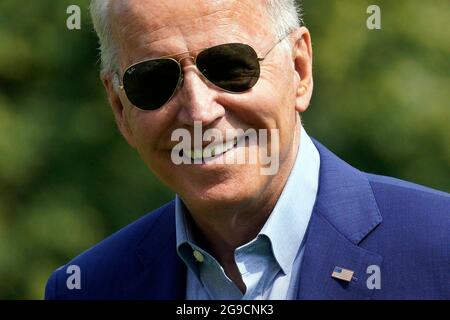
(211, 151)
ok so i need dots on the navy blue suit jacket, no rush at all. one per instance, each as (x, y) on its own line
(359, 220)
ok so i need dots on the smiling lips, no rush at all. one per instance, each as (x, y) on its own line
(212, 150)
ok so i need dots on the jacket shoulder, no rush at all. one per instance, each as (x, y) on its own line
(400, 194)
(413, 238)
(410, 204)
(390, 182)
(100, 264)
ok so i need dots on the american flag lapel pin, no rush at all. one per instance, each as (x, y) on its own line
(342, 274)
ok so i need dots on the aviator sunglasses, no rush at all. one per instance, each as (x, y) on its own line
(232, 67)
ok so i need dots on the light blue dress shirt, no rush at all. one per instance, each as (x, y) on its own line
(270, 263)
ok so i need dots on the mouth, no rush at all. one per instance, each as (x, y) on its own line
(212, 151)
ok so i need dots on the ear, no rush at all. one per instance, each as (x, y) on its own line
(302, 56)
(118, 109)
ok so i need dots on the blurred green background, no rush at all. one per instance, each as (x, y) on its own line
(68, 180)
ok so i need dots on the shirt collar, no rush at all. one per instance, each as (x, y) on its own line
(286, 226)
(185, 239)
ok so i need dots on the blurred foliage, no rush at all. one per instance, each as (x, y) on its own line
(68, 180)
(382, 96)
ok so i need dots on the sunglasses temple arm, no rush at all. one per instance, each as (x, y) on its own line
(273, 47)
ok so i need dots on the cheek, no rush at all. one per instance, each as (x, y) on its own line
(283, 86)
(281, 107)
(147, 129)
(277, 99)
(270, 105)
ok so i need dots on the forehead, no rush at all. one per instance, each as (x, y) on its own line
(144, 28)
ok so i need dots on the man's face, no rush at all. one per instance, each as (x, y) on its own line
(152, 28)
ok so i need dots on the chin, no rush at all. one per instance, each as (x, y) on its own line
(224, 189)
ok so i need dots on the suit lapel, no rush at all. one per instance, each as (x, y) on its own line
(163, 273)
(344, 213)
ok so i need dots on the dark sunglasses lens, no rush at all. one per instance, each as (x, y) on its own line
(150, 84)
(233, 67)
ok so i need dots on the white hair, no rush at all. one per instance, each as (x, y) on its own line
(285, 16)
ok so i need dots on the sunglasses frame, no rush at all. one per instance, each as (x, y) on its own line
(194, 60)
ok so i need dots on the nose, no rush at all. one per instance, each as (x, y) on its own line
(197, 99)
